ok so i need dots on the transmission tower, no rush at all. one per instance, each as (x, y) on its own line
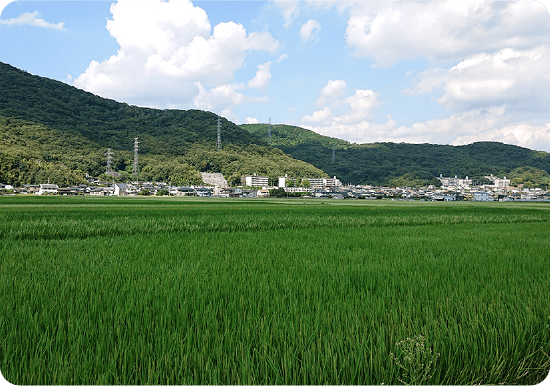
(219, 134)
(136, 169)
(269, 132)
(109, 155)
(333, 157)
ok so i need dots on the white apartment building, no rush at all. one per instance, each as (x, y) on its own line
(449, 181)
(498, 182)
(324, 182)
(254, 180)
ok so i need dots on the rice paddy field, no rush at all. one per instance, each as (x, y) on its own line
(265, 291)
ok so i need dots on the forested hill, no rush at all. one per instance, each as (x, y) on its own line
(51, 130)
(107, 122)
(399, 164)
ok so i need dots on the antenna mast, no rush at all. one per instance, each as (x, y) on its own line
(333, 157)
(109, 155)
(136, 170)
(269, 132)
(219, 134)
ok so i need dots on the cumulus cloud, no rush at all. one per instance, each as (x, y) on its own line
(165, 49)
(319, 116)
(390, 31)
(519, 79)
(262, 78)
(357, 112)
(309, 30)
(333, 90)
(250, 120)
(443, 30)
(34, 20)
(221, 98)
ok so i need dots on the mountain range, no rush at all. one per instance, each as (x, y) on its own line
(51, 130)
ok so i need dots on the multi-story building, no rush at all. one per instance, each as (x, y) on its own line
(254, 180)
(449, 181)
(324, 182)
(498, 182)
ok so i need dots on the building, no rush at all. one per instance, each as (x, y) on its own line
(449, 181)
(124, 189)
(48, 189)
(254, 180)
(482, 196)
(325, 183)
(498, 182)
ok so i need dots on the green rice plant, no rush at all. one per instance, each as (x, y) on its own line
(191, 291)
(416, 359)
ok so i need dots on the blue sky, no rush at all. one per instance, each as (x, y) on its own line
(446, 72)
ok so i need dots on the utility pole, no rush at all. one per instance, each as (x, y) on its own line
(333, 157)
(219, 134)
(136, 169)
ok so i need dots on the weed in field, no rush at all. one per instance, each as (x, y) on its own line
(417, 360)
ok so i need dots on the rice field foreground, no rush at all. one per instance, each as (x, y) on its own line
(191, 291)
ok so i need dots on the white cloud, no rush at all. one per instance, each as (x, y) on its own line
(252, 120)
(309, 30)
(519, 79)
(218, 98)
(390, 32)
(357, 116)
(290, 9)
(165, 48)
(361, 105)
(282, 57)
(32, 19)
(4, 4)
(319, 116)
(262, 78)
(334, 89)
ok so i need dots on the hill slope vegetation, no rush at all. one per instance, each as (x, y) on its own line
(49, 129)
(400, 164)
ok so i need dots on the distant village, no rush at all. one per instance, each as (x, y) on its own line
(215, 185)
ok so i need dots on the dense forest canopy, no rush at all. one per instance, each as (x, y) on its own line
(401, 164)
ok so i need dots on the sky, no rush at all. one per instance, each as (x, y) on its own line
(441, 72)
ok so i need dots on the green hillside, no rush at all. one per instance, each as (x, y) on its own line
(49, 129)
(407, 164)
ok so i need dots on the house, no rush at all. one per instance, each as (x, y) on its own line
(64, 191)
(32, 188)
(124, 189)
(203, 192)
(48, 189)
(97, 191)
(262, 193)
(182, 191)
